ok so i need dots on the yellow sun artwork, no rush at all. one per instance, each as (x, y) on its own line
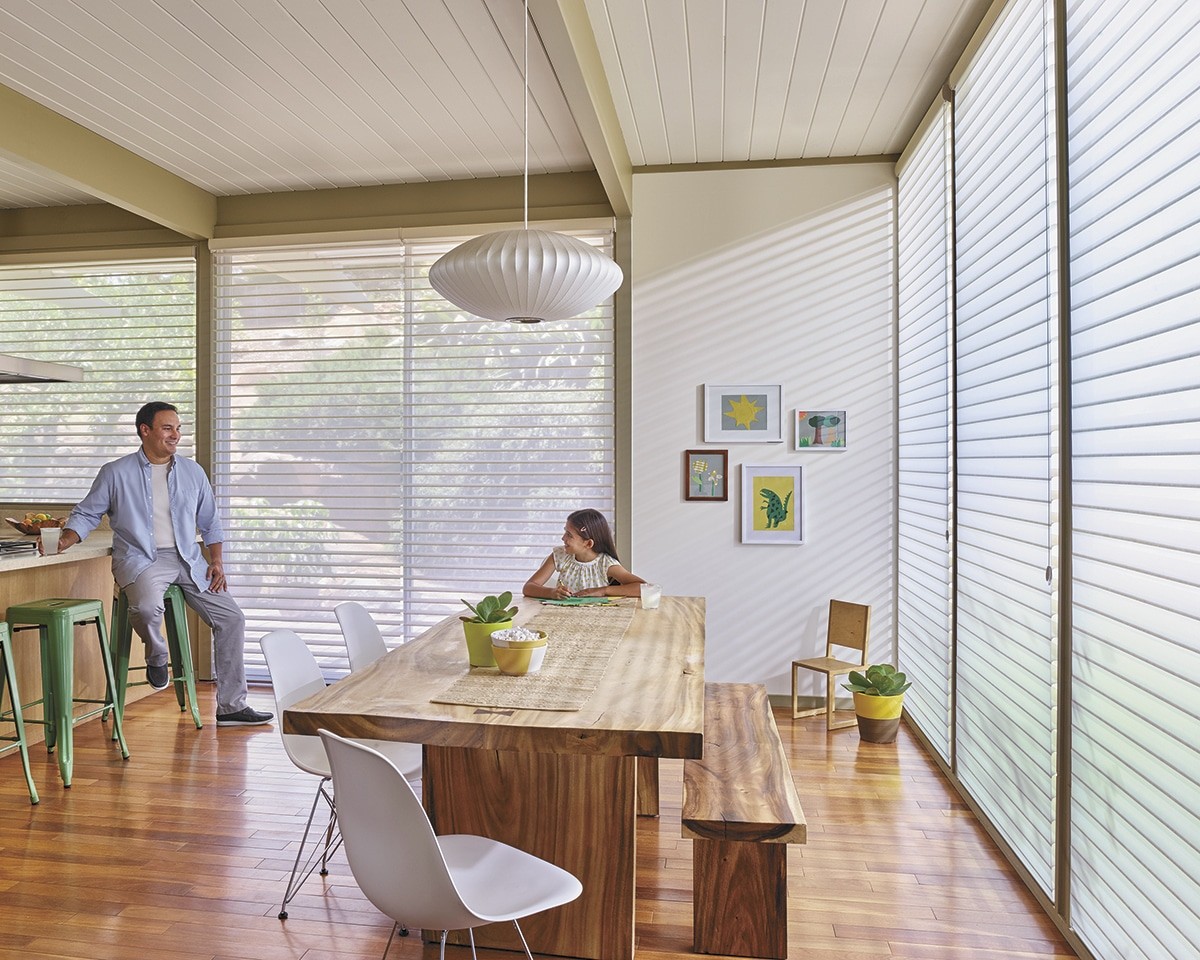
(745, 412)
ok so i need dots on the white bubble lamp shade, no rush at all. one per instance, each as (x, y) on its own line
(525, 276)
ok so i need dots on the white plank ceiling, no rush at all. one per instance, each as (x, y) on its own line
(253, 96)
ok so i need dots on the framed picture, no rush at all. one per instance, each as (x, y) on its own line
(820, 430)
(705, 474)
(772, 503)
(743, 413)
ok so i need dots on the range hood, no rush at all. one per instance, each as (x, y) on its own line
(23, 370)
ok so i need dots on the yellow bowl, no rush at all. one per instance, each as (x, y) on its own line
(520, 657)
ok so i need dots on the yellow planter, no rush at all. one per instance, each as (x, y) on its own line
(519, 657)
(479, 641)
(878, 717)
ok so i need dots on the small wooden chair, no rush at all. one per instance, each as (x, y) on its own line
(849, 628)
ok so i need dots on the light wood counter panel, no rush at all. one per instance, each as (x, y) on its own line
(83, 572)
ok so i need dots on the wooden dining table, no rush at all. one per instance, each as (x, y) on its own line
(560, 784)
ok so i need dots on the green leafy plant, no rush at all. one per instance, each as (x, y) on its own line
(491, 610)
(879, 680)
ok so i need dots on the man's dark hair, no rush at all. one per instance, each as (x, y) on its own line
(145, 416)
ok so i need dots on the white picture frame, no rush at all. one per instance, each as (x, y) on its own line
(819, 430)
(773, 503)
(743, 413)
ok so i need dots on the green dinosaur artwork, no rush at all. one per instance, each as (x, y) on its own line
(777, 510)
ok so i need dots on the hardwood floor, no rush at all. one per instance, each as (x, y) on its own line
(182, 852)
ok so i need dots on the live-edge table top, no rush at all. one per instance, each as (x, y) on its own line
(649, 703)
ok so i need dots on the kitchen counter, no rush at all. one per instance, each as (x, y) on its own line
(99, 544)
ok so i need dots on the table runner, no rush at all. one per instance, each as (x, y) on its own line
(581, 642)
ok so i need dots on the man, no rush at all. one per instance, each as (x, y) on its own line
(155, 503)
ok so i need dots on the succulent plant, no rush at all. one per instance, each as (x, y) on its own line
(878, 680)
(491, 609)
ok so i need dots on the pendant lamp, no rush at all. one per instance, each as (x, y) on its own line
(525, 276)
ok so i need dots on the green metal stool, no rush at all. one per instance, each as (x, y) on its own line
(178, 645)
(9, 675)
(55, 621)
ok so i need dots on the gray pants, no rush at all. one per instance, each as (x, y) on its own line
(219, 610)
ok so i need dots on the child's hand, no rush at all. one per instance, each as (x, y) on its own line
(593, 592)
(561, 591)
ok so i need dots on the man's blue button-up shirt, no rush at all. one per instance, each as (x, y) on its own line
(122, 490)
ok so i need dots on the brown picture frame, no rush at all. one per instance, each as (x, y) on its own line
(702, 478)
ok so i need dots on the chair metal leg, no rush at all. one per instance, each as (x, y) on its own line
(391, 936)
(48, 710)
(120, 638)
(523, 943)
(471, 934)
(442, 950)
(110, 684)
(329, 847)
(9, 676)
(181, 654)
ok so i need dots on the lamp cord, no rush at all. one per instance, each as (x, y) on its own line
(525, 74)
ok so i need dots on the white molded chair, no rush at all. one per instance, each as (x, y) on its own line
(364, 642)
(295, 676)
(454, 882)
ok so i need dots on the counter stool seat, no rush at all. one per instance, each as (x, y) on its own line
(9, 675)
(183, 676)
(55, 620)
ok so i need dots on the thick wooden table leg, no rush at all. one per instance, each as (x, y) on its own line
(739, 902)
(647, 786)
(575, 811)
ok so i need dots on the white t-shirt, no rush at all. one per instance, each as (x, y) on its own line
(160, 498)
(581, 576)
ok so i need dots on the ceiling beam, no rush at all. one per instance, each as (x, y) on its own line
(70, 153)
(570, 44)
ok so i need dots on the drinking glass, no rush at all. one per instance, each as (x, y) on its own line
(50, 537)
(651, 594)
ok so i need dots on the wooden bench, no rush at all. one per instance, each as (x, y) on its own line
(740, 809)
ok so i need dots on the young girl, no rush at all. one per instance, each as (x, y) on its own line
(586, 563)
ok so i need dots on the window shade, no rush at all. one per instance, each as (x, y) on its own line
(923, 493)
(1005, 432)
(1133, 103)
(375, 444)
(131, 327)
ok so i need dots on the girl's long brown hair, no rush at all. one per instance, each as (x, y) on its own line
(592, 526)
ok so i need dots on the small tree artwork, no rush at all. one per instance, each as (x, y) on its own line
(820, 430)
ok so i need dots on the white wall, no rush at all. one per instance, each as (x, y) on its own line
(766, 276)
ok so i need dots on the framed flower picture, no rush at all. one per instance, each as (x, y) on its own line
(705, 474)
(772, 503)
(743, 413)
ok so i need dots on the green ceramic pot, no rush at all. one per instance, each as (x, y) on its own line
(479, 641)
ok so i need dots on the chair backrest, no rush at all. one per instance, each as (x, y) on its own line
(389, 842)
(364, 642)
(849, 627)
(294, 676)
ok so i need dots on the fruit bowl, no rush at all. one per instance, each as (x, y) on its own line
(519, 657)
(34, 522)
